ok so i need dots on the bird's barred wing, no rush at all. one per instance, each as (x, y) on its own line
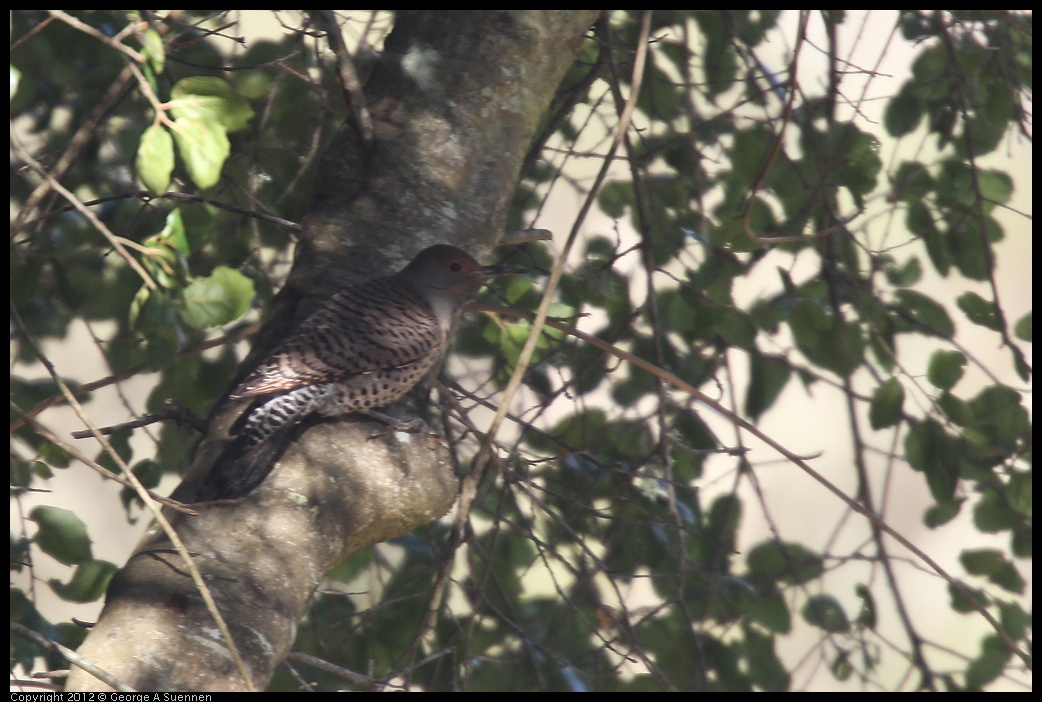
(365, 328)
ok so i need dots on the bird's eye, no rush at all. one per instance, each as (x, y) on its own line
(456, 267)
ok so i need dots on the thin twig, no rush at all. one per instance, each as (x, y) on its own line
(348, 77)
(97, 467)
(170, 411)
(341, 672)
(91, 31)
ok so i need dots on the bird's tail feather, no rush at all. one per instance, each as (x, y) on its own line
(241, 467)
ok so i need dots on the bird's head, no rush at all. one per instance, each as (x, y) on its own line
(448, 277)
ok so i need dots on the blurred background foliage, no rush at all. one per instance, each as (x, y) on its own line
(759, 235)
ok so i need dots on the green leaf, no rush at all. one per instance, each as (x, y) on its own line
(955, 409)
(152, 45)
(1014, 619)
(963, 603)
(927, 312)
(749, 153)
(660, 636)
(942, 513)
(204, 146)
(137, 305)
(1023, 327)
(979, 311)
(955, 181)
(627, 392)
(995, 186)
(916, 24)
(945, 369)
(968, 251)
(512, 339)
(120, 443)
(982, 561)
(993, 565)
(1022, 542)
(867, 616)
(659, 97)
(509, 555)
(23, 611)
(790, 562)
(984, 134)
(912, 182)
(719, 56)
(167, 260)
(754, 26)
(841, 667)
(767, 377)
(174, 233)
(905, 275)
(885, 408)
(765, 668)
(148, 472)
(843, 349)
(54, 455)
(772, 612)
(725, 516)
(920, 222)
(903, 113)
(930, 68)
(989, 665)
(858, 157)
(155, 159)
(736, 327)
(731, 597)
(825, 612)
(1019, 492)
(157, 311)
(992, 514)
(929, 449)
(686, 315)
(1001, 417)
(615, 196)
(61, 535)
(809, 321)
(88, 583)
(210, 100)
(216, 299)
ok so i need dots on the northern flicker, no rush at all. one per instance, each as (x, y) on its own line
(364, 349)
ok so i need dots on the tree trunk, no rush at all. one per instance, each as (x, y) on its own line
(455, 101)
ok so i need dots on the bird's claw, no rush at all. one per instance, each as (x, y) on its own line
(415, 425)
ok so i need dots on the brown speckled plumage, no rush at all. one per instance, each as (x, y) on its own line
(364, 349)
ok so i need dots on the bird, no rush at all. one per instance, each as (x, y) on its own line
(364, 348)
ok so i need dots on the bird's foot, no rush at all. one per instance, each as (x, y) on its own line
(413, 425)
